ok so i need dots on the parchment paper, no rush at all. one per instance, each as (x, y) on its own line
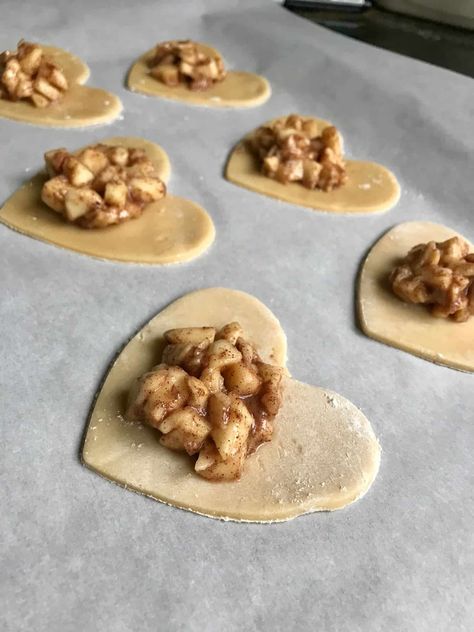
(80, 554)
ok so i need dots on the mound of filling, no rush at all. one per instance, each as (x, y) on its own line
(101, 185)
(293, 149)
(439, 275)
(27, 74)
(211, 396)
(183, 63)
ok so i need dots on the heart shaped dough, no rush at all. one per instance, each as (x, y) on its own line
(410, 327)
(169, 231)
(81, 106)
(323, 454)
(370, 187)
(238, 90)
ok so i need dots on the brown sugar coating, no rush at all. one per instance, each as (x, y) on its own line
(100, 186)
(27, 74)
(439, 275)
(211, 396)
(293, 150)
(181, 62)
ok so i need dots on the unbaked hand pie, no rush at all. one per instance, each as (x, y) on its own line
(198, 412)
(43, 85)
(300, 159)
(188, 71)
(416, 292)
(109, 200)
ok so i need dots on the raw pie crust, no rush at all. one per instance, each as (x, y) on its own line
(169, 231)
(370, 187)
(79, 107)
(317, 461)
(238, 90)
(410, 327)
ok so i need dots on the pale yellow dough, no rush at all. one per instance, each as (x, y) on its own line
(410, 327)
(81, 106)
(169, 231)
(238, 90)
(370, 187)
(323, 456)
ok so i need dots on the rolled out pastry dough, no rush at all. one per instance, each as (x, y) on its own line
(409, 327)
(370, 187)
(323, 456)
(80, 106)
(238, 90)
(171, 230)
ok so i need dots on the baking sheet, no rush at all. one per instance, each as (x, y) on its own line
(81, 554)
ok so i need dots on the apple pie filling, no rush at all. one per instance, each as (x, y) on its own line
(27, 74)
(211, 396)
(100, 186)
(439, 275)
(180, 62)
(294, 149)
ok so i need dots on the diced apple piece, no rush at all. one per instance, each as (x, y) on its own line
(271, 164)
(158, 393)
(30, 57)
(311, 172)
(198, 393)
(103, 177)
(46, 89)
(167, 60)
(290, 171)
(270, 395)
(173, 441)
(207, 69)
(54, 160)
(241, 379)
(58, 79)
(189, 54)
(332, 139)
(218, 407)
(116, 194)
(163, 51)
(191, 335)
(24, 88)
(208, 456)
(167, 74)
(78, 202)
(311, 128)
(10, 76)
(78, 174)
(221, 353)
(146, 189)
(118, 156)
(39, 100)
(213, 69)
(213, 380)
(136, 155)
(294, 122)
(140, 169)
(190, 426)
(249, 354)
(231, 332)
(54, 193)
(186, 69)
(210, 464)
(53, 75)
(93, 159)
(231, 438)
(269, 372)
